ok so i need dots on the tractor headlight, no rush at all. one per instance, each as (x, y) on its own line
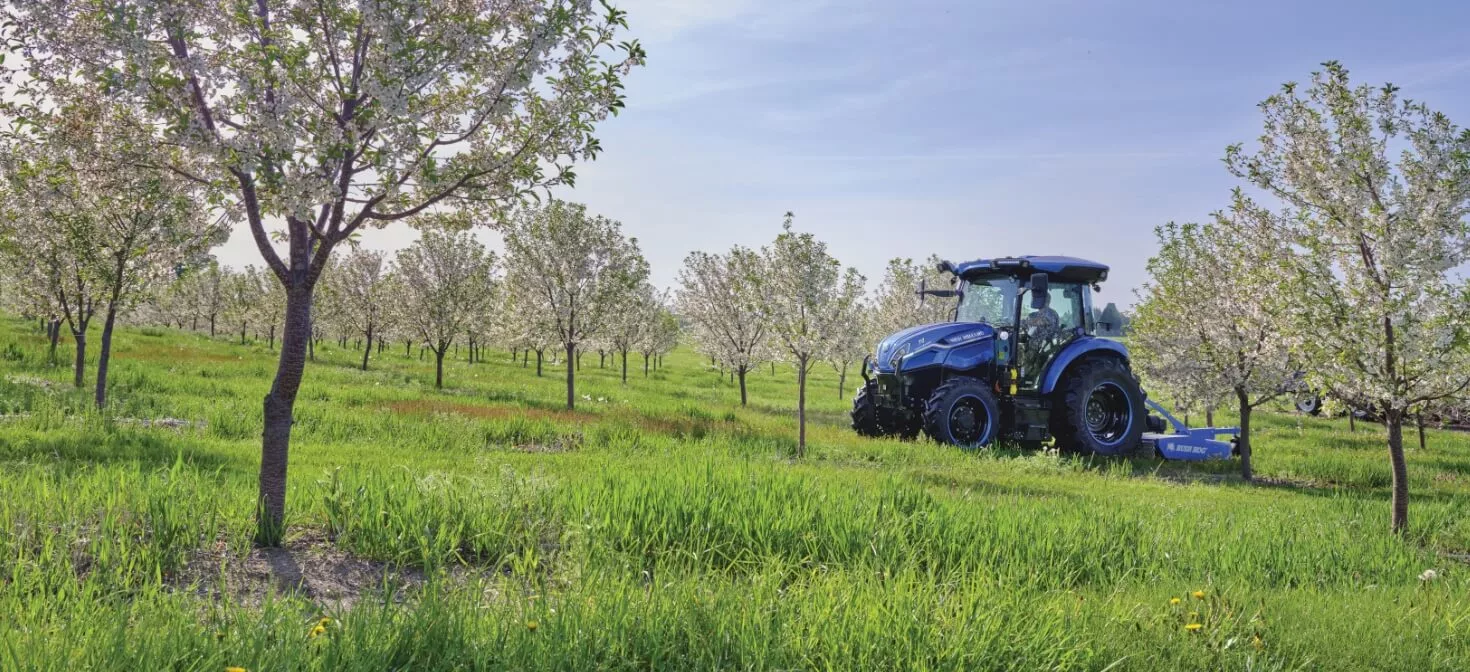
(897, 357)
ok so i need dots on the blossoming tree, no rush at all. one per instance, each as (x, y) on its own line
(719, 295)
(360, 290)
(897, 305)
(447, 279)
(811, 300)
(339, 115)
(1373, 191)
(1208, 327)
(573, 269)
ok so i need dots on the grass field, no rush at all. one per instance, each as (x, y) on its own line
(661, 526)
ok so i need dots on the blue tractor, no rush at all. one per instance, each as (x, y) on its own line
(1020, 361)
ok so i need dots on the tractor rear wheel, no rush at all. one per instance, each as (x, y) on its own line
(1309, 403)
(962, 412)
(1099, 409)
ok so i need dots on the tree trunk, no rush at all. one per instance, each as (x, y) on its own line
(1244, 443)
(512, 355)
(1210, 418)
(645, 366)
(105, 353)
(572, 356)
(194, 323)
(538, 363)
(273, 337)
(625, 367)
(741, 373)
(439, 367)
(842, 381)
(311, 349)
(54, 333)
(525, 357)
(1352, 421)
(81, 360)
(456, 349)
(801, 407)
(368, 349)
(579, 361)
(773, 368)
(1419, 423)
(601, 360)
(1400, 521)
(211, 326)
(278, 404)
(408, 347)
(243, 327)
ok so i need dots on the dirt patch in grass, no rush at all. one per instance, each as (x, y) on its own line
(431, 406)
(307, 566)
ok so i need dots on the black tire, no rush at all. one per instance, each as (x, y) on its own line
(962, 412)
(866, 417)
(1099, 409)
(1309, 403)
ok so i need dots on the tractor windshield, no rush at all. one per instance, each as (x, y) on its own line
(988, 299)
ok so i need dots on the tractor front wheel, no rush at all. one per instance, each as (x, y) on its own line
(865, 413)
(1099, 409)
(962, 412)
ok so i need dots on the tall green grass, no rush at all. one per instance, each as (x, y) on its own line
(660, 525)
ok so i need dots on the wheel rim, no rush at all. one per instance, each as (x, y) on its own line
(1306, 403)
(1109, 414)
(969, 422)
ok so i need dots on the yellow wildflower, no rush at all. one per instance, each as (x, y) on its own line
(326, 620)
(1256, 642)
(1193, 627)
(234, 669)
(318, 631)
(531, 625)
(1199, 594)
(1173, 600)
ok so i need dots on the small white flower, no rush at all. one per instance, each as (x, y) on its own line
(1429, 575)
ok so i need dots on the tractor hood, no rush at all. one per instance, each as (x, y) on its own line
(927, 341)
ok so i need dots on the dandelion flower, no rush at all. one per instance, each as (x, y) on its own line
(1256, 642)
(326, 620)
(1173, 600)
(234, 669)
(531, 625)
(1198, 594)
(1193, 627)
(318, 631)
(1429, 575)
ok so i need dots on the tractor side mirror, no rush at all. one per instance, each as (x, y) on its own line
(1040, 285)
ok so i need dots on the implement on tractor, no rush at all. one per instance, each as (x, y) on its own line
(1020, 361)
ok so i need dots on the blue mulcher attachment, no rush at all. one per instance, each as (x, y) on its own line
(1190, 444)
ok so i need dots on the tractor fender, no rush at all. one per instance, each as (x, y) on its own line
(1076, 350)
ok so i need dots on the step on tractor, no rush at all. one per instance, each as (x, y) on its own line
(1020, 361)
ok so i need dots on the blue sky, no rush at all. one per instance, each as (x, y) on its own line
(968, 129)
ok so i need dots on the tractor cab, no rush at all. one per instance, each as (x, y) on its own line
(1019, 361)
(1041, 303)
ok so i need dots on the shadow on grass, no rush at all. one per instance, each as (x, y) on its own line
(70, 449)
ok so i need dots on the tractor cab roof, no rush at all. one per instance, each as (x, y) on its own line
(1065, 269)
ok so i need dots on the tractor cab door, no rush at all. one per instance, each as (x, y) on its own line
(1046, 330)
